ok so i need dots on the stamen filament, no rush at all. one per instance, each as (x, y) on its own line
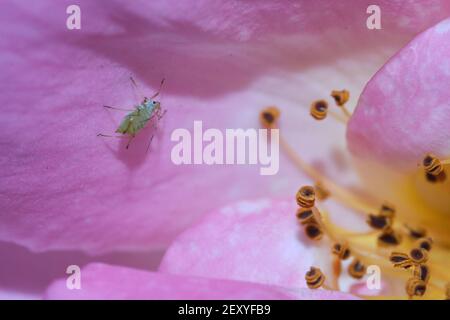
(341, 97)
(346, 112)
(339, 117)
(336, 272)
(342, 195)
(333, 237)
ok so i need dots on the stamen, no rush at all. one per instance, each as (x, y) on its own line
(315, 228)
(363, 246)
(415, 287)
(341, 97)
(319, 111)
(314, 278)
(321, 192)
(341, 250)
(434, 179)
(305, 215)
(384, 222)
(357, 269)
(306, 197)
(401, 260)
(313, 231)
(269, 117)
(387, 210)
(422, 272)
(389, 237)
(378, 222)
(434, 168)
(425, 243)
(419, 255)
(416, 233)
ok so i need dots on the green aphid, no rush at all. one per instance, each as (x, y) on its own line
(138, 117)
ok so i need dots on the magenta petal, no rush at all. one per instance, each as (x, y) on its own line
(404, 111)
(101, 281)
(257, 241)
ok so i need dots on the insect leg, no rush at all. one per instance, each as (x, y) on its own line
(161, 114)
(155, 125)
(133, 82)
(159, 90)
(150, 142)
(114, 108)
(108, 136)
(129, 141)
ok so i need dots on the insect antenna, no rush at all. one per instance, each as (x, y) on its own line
(137, 88)
(109, 136)
(159, 90)
(115, 108)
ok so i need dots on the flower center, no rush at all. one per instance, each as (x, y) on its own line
(392, 245)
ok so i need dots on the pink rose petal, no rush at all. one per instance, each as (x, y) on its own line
(361, 289)
(404, 111)
(403, 114)
(64, 188)
(257, 241)
(100, 281)
(26, 275)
